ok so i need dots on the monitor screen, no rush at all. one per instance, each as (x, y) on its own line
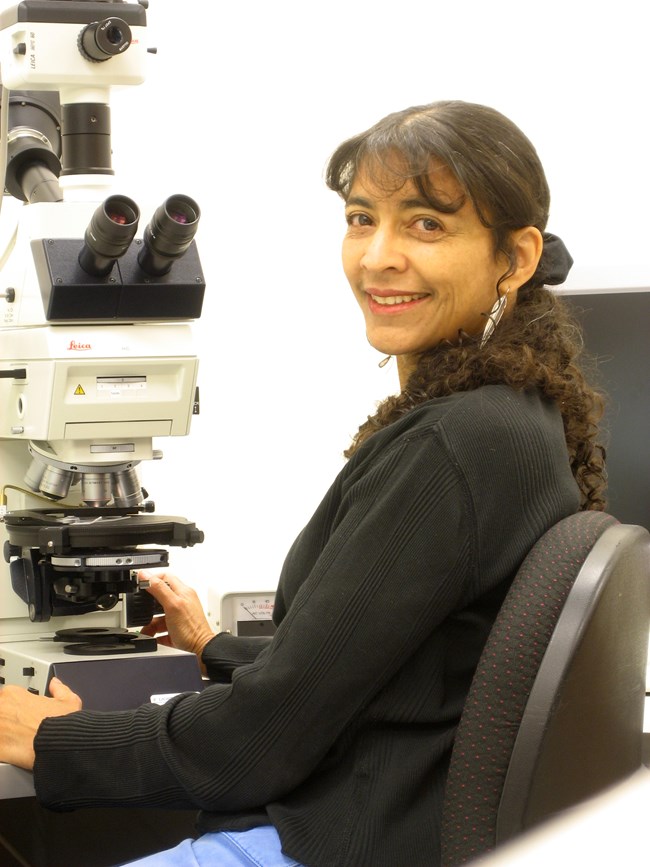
(616, 325)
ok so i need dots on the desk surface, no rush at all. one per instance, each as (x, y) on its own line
(15, 783)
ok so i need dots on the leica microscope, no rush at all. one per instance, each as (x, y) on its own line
(96, 363)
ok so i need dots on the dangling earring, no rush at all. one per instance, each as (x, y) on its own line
(384, 361)
(494, 317)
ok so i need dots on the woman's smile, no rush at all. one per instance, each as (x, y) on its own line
(389, 303)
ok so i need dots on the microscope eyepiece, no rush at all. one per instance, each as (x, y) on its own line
(102, 40)
(117, 216)
(169, 233)
(109, 234)
(182, 212)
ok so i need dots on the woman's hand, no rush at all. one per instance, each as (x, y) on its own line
(21, 713)
(184, 624)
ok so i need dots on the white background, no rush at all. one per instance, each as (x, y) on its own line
(242, 106)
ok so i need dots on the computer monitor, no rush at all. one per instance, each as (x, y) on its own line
(616, 325)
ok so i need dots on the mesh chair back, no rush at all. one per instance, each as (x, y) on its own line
(503, 681)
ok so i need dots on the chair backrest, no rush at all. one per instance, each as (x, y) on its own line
(555, 710)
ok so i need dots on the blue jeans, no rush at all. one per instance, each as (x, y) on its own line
(259, 847)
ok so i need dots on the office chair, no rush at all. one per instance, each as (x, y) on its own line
(555, 710)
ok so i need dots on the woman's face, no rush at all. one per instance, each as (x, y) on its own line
(419, 275)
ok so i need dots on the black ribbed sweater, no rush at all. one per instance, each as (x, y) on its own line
(339, 731)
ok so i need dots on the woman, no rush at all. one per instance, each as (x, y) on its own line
(332, 740)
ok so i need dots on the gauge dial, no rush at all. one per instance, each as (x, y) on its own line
(248, 613)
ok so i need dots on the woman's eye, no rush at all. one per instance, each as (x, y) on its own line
(358, 220)
(427, 224)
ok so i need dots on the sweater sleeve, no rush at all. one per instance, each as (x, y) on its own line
(370, 598)
(226, 652)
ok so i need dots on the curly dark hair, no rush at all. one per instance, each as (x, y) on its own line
(539, 344)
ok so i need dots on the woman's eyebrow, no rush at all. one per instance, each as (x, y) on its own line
(451, 206)
(358, 201)
(408, 204)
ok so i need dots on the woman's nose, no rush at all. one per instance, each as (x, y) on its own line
(383, 251)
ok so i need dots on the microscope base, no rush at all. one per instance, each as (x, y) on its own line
(103, 682)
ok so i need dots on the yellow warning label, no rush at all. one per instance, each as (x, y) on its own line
(79, 390)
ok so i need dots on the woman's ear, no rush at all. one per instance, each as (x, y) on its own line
(527, 246)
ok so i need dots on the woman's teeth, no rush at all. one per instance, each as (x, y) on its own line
(395, 299)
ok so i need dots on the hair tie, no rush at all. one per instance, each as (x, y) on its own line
(555, 262)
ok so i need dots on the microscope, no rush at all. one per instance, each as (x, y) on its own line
(96, 363)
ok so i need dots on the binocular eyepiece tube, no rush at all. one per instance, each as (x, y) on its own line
(168, 235)
(114, 224)
(109, 235)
